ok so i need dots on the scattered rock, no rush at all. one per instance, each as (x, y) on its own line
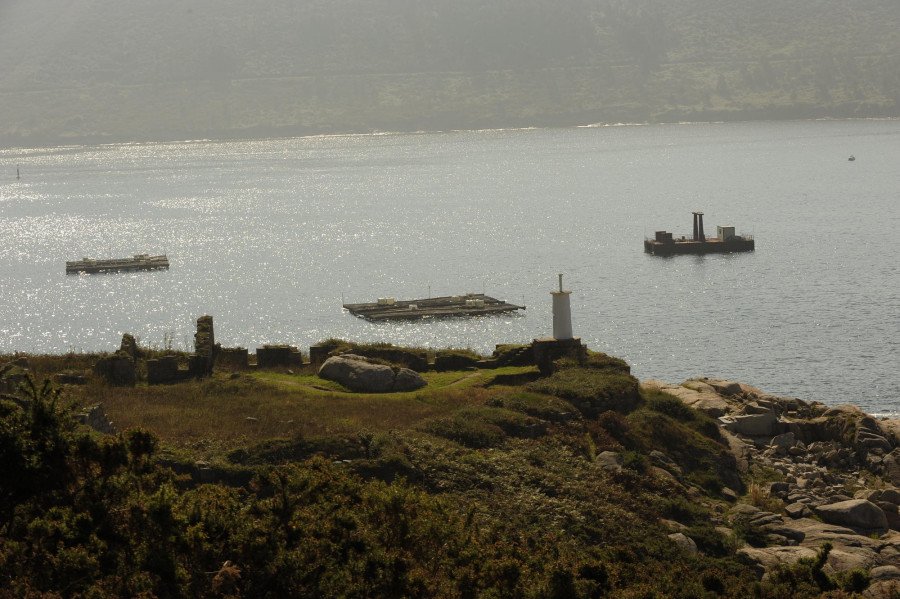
(823, 456)
(885, 573)
(798, 510)
(685, 542)
(610, 461)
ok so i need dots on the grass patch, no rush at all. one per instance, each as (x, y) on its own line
(233, 411)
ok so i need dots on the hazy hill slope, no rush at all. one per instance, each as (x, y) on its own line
(113, 70)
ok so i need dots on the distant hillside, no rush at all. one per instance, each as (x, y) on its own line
(106, 70)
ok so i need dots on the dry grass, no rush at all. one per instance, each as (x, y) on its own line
(757, 496)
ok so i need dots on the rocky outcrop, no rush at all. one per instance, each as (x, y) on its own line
(700, 397)
(358, 374)
(833, 473)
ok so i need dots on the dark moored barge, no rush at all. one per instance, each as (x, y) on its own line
(665, 244)
(135, 263)
(471, 304)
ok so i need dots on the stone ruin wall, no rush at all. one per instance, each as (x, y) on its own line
(275, 356)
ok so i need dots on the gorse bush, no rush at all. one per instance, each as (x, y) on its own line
(475, 433)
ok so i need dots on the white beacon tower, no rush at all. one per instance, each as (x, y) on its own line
(562, 313)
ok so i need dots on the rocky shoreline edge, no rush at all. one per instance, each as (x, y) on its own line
(833, 477)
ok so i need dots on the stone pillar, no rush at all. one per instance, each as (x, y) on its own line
(562, 313)
(129, 345)
(204, 345)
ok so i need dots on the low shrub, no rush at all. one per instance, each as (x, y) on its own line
(472, 433)
(671, 406)
(681, 509)
(712, 542)
(538, 405)
(703, 461)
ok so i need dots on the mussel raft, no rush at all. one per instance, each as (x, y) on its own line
(470, 304)
(135, 263)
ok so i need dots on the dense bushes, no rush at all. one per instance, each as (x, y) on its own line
(502, 498)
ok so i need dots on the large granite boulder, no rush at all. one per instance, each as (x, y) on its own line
(855, 513)
(358, 374)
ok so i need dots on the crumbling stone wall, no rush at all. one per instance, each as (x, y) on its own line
(274, 356)
(163, 370)
(235, 358)
(549, 349)
(454, 362)
(95, 417)
(117, 369)
(317, 355)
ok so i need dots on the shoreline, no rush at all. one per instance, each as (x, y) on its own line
(45, 143)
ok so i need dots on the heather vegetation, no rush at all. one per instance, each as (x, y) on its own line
(271, 484)
(109, 71)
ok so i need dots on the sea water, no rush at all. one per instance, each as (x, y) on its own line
(271, 237)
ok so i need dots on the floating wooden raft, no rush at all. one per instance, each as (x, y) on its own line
(135, 263)
(471, 304)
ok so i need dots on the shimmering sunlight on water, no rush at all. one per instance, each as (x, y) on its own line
(270, 236)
